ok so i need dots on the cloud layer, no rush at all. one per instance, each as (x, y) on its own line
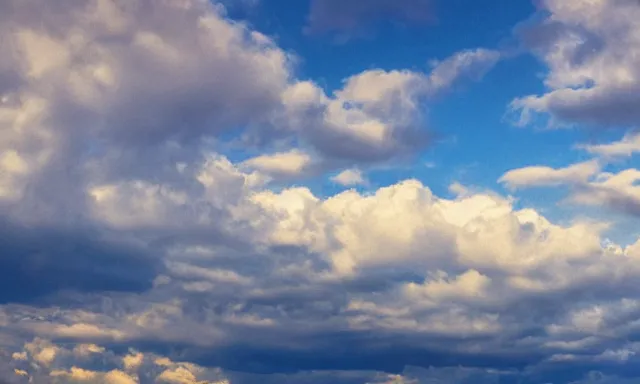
(137, 248)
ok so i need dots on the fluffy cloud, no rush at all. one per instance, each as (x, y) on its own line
(81, 104)
(125, 226)
(457, 273)
(112, 189)
(86, 106)
(349, 177)
(593, 75)
(377, 115)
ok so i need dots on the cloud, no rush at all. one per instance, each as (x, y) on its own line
(618, 191)
(93, 113)
(53, 259)
(541, 176)
(289, 163)
(313, 273)
(593, 75)
(104, 367)
(349, 177)
(355, 17)
(466, 64)
(378, 115)
(590, 185)
(626, 147)
(134, 249)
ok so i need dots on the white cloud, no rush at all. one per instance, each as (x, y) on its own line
(42, 351)
(85, 350)
(87, 107)
(132, 361)
(593, 75)
(349, 177)
(626, 147)
(542, 176)
(470, 284)
(82, 109)
(75, 373)
(378, 114)
(619, 191)
(289, 163)
(590, 185)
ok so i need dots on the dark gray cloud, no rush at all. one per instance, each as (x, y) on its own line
(38, 261)
(70, 363)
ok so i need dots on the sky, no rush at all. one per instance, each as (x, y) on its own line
(319, 191)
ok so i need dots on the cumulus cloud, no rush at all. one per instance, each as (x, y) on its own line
(592, 63)
(134, 250)
(87, 107)
(81, 104)
(355, 17)
(457, 273)
(377, 114)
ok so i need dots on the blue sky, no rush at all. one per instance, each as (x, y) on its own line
(313, 191)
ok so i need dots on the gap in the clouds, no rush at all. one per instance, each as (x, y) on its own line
(476, 147)
(460, 24)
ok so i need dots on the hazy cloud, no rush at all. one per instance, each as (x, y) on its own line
(354, 17)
